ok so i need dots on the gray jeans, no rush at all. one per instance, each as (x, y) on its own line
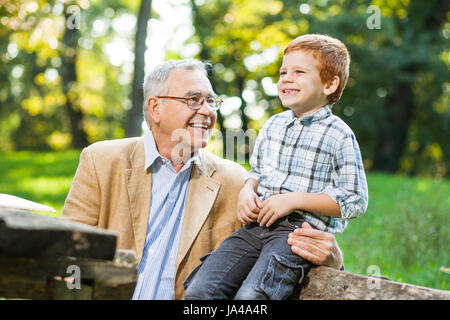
(254, 263)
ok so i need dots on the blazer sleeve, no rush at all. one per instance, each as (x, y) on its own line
(83, 201)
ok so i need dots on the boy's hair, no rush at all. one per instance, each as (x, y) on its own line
(332, 55)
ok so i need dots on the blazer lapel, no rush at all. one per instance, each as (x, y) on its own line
(202, 193)
(139, 183)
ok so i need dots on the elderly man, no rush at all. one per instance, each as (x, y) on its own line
(169, 200)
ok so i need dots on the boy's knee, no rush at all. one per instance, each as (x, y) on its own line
(248, 293)
(196, 292)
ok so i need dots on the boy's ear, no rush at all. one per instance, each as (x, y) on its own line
(153, 107)
(331, 86)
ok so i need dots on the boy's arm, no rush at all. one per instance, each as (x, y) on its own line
(349, 186)
(345, 197)
(348, 196)
(256, 160)
(281, 205)
(320, 203)
(249, 204)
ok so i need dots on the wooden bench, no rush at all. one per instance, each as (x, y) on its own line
(49, 258)
(323, 283)
(39, 257)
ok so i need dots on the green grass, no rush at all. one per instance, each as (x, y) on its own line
(42, 177)
(405, 231)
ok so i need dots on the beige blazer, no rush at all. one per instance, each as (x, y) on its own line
(111, 190)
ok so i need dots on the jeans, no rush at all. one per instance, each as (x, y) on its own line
(254, 263)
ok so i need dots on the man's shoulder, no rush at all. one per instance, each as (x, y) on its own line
(114, 148)
(223, 166)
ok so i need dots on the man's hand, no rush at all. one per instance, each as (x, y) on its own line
(275, 207)
(249, 205)
(317, 246)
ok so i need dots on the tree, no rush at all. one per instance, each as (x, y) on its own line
(135, 116)
(68, 71)
(59, 86)
(396, 100)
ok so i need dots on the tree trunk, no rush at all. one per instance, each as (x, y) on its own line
(400, 107)
(135, 116)
(68, 72)
(240, 80)
(205, 56)
(394, 133)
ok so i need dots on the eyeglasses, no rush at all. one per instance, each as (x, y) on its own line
(196, 102)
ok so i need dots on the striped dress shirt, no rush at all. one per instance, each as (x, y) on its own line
(317, 153)
(156, 272)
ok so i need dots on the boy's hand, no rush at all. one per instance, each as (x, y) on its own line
(275, 207)
(248, 206)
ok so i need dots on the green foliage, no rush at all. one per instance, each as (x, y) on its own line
(405, 231)
(44, 177)
(396, 99)
(33, 111)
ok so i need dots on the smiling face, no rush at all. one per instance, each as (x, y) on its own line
(174, 125)
(299, 86)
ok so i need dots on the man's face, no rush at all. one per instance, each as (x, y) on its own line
(299, 86)
(177, 120)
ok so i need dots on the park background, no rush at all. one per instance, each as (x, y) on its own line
(71, 74)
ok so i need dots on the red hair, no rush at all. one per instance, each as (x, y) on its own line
(332, 55)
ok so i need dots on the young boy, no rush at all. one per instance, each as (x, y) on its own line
(306, 167)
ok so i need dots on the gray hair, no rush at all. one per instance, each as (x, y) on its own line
(155, 81)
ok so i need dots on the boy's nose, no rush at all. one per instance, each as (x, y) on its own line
(287, 77)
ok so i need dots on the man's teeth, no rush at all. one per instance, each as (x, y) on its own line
(199, 125)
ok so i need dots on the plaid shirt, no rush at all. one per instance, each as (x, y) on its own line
(315, 154)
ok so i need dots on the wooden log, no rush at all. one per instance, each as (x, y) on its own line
(323, 283)
(47, 278)
(25, 234)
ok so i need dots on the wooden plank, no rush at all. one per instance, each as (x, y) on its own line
(47, 278)
(25, 234)
(99, 270)
(58, 290)
(120, 292)
(323, 283)
(23, 287)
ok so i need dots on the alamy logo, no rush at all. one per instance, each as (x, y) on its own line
(74, 280)
(373, 282)
(374, 20)
(73, 20)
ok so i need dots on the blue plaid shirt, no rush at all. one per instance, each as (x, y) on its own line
(315, 154)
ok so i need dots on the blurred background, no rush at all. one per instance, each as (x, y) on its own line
(71, 73)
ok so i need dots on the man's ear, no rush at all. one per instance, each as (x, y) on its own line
(331, 86)
(153, 107)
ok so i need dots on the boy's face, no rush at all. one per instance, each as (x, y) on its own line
(299, 86)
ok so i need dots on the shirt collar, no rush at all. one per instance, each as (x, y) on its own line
(152, 153)
(318, 115)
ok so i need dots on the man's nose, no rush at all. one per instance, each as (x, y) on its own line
(206, 109)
